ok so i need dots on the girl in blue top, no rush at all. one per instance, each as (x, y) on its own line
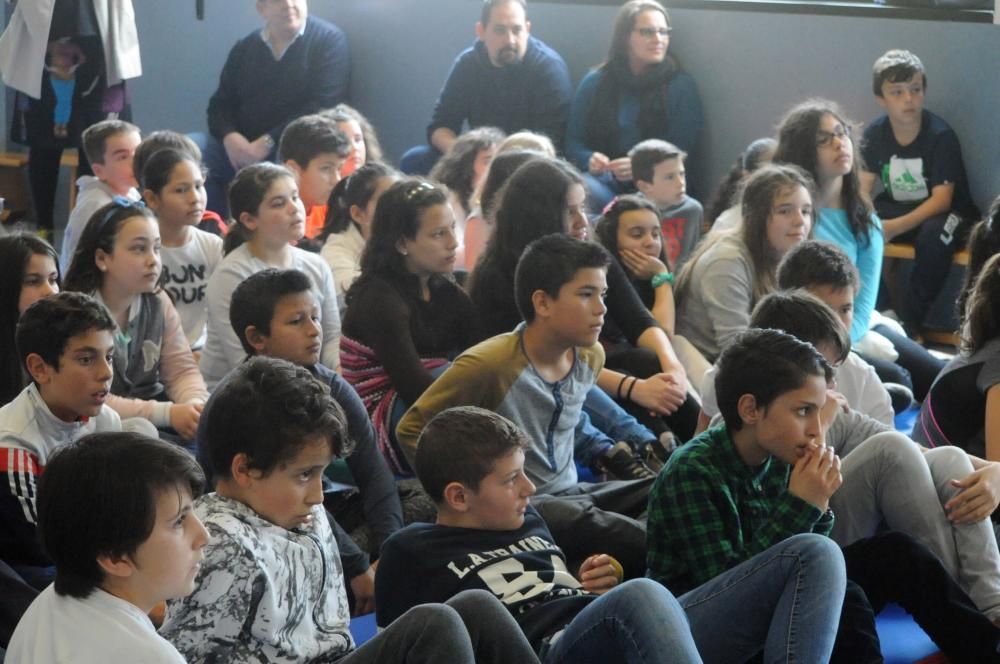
(815, 136)
(638, 93)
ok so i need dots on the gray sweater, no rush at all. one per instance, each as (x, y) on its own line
(714, 306)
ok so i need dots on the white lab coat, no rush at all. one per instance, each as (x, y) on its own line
(23, 43)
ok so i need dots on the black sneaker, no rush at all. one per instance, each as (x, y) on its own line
(621, 463)
(656, 452)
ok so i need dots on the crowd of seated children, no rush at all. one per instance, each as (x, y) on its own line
(110, 146)
(115, 516)
(406, 318)
(365, 146)
(917, 159)
(639, 92)
(963, 405)
(117, 261)
(732, 270)
(766, 474)
(173, 186)
(888, 480)
(314, 149)
(488, 536)
(461, 170)
(270, 586)
(723, 211)
(631, 232)
(66, 344)
(546, 196)
(585, 364)
(824, 270)
(349, 217)
(268, 218)
(815, 136)
(275, 314)
(29, 271)
(539, 376)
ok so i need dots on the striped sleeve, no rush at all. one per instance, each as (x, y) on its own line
(19, 472)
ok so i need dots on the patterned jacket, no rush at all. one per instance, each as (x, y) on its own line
(264, 593)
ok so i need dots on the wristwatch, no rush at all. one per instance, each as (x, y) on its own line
(269, 142)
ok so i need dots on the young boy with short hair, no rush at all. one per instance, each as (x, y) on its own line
(66, 344)
(659, 175)
(766, 474)
(110, 146)
(271, 587)
(314, 149)
(824, 270)
(275, 314)
(808, 318)
(116, 517)
(538, 376)
(925, 197)
(487, 535)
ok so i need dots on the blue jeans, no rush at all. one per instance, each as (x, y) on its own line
(785, 601)
(220, 171)
(638, 621)
(419, 160)
(602, 423)
(602, 188)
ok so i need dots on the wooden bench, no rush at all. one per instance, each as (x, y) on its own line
(902, 251)
(18, 197)
(907, 252)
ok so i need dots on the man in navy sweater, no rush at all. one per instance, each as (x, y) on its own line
(507, 79)
(293, 66)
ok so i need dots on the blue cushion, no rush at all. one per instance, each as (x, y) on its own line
(902, 639)
(363, 628)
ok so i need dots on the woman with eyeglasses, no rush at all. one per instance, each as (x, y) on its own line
(406, 317)
(816, 137)
(640, 92)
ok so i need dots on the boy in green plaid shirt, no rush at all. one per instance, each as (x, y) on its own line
(766, 475)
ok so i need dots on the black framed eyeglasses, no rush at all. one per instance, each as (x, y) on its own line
(650, 33)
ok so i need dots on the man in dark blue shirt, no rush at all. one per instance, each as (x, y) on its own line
(293, 66)
(507, 79)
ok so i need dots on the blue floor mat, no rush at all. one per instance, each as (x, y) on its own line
(904, 421)
(363, 628)
(902, 639)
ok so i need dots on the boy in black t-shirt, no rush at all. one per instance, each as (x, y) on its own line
(487, 536)
(925, 197)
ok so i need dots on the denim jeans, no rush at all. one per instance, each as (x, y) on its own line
(785, 601)
(638, 621)
(601, 189)
(220, 171)
(921, 365)
(602, 423)
(472, 626)
(419, 160)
